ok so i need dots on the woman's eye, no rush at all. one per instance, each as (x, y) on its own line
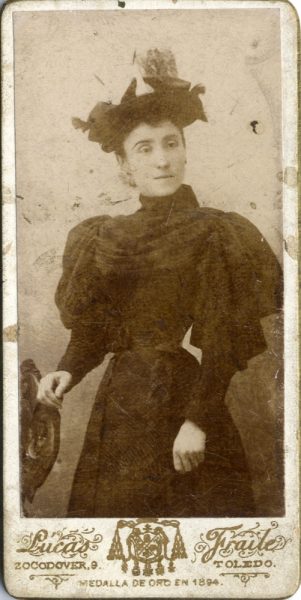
(144, 149)
(172, 144)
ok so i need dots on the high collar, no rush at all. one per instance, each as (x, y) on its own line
(183, 199)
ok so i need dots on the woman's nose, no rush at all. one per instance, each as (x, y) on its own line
(161, 159)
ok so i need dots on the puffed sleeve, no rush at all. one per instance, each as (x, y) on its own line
(240, 283)
(81, 303)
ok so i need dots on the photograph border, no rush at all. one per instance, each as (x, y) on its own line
(16, 528)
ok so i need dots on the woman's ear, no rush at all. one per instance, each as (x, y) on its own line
(125, 171)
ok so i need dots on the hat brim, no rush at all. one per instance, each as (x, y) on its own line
(109, 127)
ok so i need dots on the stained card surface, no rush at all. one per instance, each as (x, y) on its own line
(150, 299)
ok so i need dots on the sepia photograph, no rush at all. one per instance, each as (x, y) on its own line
(151, 254)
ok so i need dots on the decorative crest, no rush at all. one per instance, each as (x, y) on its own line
(148, 546)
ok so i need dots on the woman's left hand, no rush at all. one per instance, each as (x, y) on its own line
(189, 447)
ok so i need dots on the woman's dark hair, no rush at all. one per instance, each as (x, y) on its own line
(152, 120)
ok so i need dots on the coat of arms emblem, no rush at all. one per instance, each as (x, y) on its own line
(150, 544)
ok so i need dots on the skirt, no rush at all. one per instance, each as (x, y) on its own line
(126, 465)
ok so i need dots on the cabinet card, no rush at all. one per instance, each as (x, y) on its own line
(150, 241)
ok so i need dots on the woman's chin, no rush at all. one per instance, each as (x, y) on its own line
(163, 187)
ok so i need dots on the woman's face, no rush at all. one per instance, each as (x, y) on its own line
(155, 158)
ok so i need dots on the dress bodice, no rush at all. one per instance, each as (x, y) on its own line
(147, 277)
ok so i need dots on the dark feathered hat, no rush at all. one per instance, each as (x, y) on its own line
(169, 98)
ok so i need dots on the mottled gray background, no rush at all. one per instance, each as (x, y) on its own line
(63, 179)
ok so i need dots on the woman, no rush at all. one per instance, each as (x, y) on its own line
(160, 440)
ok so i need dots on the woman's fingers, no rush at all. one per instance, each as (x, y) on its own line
(52, 387)
(189, 447)
(45, 391)
(47, 396)
(196, 458)
(183, 465)
(57, 402)
(60, 390)
(185, 462)
(53, 404)
(177, 463)
(50, 395)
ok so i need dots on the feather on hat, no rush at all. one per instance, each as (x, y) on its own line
(169, 98)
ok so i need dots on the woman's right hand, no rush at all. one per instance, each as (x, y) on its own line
(52, 388)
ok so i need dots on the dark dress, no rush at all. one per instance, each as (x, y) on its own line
(133, 285)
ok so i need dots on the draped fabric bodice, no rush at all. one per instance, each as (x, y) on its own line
(145, 278)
